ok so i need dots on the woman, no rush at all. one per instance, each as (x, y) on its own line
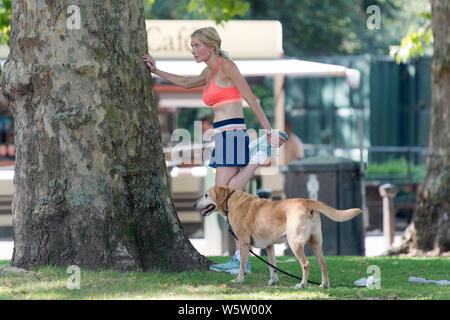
(224, 88)
(3, 102)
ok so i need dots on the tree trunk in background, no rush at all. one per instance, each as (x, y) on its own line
(90, 185)
(430, 230)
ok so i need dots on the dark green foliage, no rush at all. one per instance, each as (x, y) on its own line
(312, 28)
(5, 21)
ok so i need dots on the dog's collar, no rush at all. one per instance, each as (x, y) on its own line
(226, 202)
(226, 214)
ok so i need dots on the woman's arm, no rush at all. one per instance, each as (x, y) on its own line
(185, 82)
(3, 102)
(230, 70)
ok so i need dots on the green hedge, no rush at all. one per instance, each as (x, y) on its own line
(396, 169)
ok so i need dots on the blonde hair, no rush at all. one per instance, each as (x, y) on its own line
(210, 37)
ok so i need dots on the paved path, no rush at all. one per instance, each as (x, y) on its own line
(374, 246)
(6, 249)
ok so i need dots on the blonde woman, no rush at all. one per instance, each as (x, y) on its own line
(233, 157)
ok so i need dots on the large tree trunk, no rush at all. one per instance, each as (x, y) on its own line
(90, 184)
(430, 230)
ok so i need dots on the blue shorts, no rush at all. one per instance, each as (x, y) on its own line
(231, 144)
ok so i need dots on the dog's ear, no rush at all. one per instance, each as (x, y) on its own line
(220, 192)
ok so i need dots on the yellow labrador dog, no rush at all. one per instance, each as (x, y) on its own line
(262, 223)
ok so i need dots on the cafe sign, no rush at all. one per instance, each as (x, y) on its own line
(242, 39)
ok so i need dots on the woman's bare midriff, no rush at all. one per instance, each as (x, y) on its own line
(228, 111)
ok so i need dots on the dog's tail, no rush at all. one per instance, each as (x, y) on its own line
(332, 213)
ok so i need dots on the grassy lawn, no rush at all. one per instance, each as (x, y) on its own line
(50, 282)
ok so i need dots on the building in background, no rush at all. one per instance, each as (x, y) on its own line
(258, 53)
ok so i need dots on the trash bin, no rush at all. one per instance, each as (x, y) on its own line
(336, 182)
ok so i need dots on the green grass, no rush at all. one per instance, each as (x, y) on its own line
(50, 282)
(395, 169)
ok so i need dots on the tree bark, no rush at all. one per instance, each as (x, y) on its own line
(430, 229)
(90, 185)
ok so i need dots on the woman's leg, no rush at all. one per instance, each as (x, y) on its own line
(224, 174)
(241, 178)
(223, 177)
(235, 178)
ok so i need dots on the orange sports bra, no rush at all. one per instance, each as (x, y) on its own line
(217, 96)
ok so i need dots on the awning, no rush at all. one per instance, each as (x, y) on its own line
(268, 68)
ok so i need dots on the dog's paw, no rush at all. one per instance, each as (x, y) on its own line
(301, 286)
(324, 286)
(272, 281)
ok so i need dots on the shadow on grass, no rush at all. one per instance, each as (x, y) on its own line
(52, 282)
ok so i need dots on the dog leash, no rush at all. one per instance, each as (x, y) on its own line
(230, 229)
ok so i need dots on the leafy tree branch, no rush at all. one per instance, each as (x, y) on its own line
(415, 42)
